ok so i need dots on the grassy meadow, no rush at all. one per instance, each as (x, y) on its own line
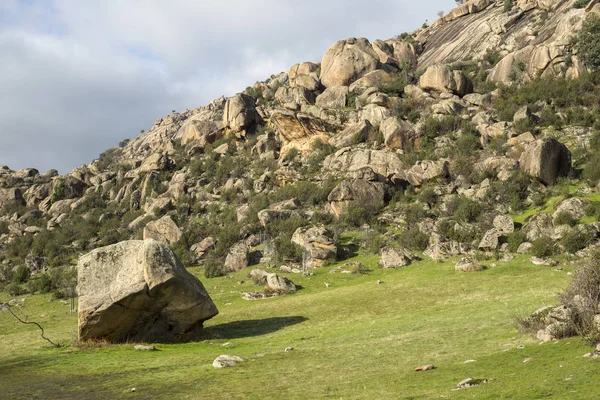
(352, 338)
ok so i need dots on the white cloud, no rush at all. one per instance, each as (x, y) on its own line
(79, 76)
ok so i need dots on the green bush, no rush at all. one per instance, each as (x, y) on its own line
(414, 239)
(14, 289)
(463, 209)
(515, 239)
(575, 240)
(508, 5)
(580, 3)
(21, 274)
(588, 41)
(591, 170)
(213, 267)
(542, 247)
(564, 218)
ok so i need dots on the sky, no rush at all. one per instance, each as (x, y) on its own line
(79, 76)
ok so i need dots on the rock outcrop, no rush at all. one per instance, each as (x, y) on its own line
(346, 61)
(546, 160)
(318, 242)
(240, 114)
(138, 290)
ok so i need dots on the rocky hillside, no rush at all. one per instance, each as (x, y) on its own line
(474, 137)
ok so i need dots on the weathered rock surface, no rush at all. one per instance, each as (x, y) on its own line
(334, 97)
(392, 257)
(138, 290)
(226, 361)
(164, 230)
(346, 61)
(318, 242)
(238, 257)
(239, 113)
(441, 79)
(348, 160)
(356, 192)
(546, 160)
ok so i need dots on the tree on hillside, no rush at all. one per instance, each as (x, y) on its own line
(588, 42)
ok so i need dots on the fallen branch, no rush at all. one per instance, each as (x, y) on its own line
(31, 323)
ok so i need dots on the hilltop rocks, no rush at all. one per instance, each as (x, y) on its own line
(423, 171)
(318, 242)
(200, 133)
(441, 79)
(546, 160)
(356, 192)
(395, 258)
(305, 75)
(164, 230)
(239, 113)
(138, 290)
(346, 61)
(10, 197)
(294, 97)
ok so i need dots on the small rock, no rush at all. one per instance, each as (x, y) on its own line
(520, 347)
(141, 347)
(326, 284)
(379, 282)
(470, 382)
(228, 344)
(469, 361)
(424, 368)
(288, 349)
(528, 359)
(132, 390)
(225, 361)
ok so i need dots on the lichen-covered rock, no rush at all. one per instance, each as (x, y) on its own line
(318, 242)
(346, 61)
(334, 97)
(546, 160)
(356, 192)
(349, 160)
(392, 257)
(138, 290)
(441, 79)
(504, 224)
(164, 230)
(238, 257)
(353, 134)
(305, 75)
(239, 113)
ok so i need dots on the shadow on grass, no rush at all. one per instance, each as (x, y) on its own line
(249, 328)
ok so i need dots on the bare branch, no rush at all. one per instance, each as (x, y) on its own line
(30, 323)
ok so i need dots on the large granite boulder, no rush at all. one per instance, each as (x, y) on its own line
(334, 97)
(392, 257)
(346, 61)
(305, 75)
(318, 242)
(239, 113)
(546, 160)
(139, 291)
(441, 79)
(238, 257)
(399, 134)
(349, 160)
(164, 230)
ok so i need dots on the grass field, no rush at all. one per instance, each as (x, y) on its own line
(355, 339)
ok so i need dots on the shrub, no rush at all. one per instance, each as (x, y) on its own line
(291, 154)
(582, 298)
(588, 42)
(213, 267)
(464, 209)
(414, 239)
(576, 240)
(565, 218)
(357, 215)
(591, 170)
(542, 247)
(21, 274)
(580, 3)
(14, 289)
(374, 242)
(508, 5)
(515, 239)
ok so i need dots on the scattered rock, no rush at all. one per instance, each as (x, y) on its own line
(164, 230)
(318, 242)
(226, 361)
(238, 257)
(288, 349)
(346, 61)
(467, 264)
(395, 257)
(470, 382)
(141, 347)
(424, 368)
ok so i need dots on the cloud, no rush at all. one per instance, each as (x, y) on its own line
(79, 76)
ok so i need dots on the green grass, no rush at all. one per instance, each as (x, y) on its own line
(353, 340)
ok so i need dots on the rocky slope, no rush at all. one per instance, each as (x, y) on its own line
(419, 142)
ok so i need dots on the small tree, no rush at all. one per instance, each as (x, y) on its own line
(588, 42)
